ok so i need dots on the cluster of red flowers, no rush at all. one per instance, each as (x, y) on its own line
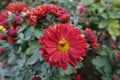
(63, 45)
(10, 36)
(3, 18)
(11, 33)
(8, 33)
(91, 38)
(17, 7)
(45, 9)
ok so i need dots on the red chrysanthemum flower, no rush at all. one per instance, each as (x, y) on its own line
(62, 14)
(17, 7)
(38, 12)
(91, 38)
(3, 18)
(63, 45)
(45, 9)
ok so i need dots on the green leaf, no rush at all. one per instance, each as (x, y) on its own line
(66, 77)
(21, 36)
(31, 49)
(34, 58)
(114, 15)
(103, 24)
(104, 15)
(116, 3)
(29, 32)
(22, 28)
(69, 71)
(113, 29)
(37, 33)
(21, 76)
(102, 64)
(87, 2)
(118, 71)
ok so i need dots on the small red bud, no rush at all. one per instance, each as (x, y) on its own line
(114, 46)
(3, 36)
(3, 64)
(36, 78)
(1, 51)
(82, 9)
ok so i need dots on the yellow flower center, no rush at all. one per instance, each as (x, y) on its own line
(63, 45)
(2, 28)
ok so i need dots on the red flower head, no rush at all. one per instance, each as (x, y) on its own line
(3, 36)
(45, 9)
(36, 78)
(38, 12)
(82, 9)
(91, 38)
(17, 7)
(118, 56)
(12, 32)
(3, 18)
(63, 45)
(77, 77)
(62, 14)
(1, 51)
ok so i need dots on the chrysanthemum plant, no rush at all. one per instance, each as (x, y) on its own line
(43, 40)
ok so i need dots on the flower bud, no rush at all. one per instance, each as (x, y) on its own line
(91, 38)
(11, 40)
(3, 36)
(12, 32)
(36, 78)
(97, 0)
(114, 46)
(17, 18)
(3, 64)
(1, 51)
(115, 76)
(82, 9)
(118, 56)
(77, 77)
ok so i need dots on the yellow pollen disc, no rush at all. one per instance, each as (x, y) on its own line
(63, 45)
(2, 28)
